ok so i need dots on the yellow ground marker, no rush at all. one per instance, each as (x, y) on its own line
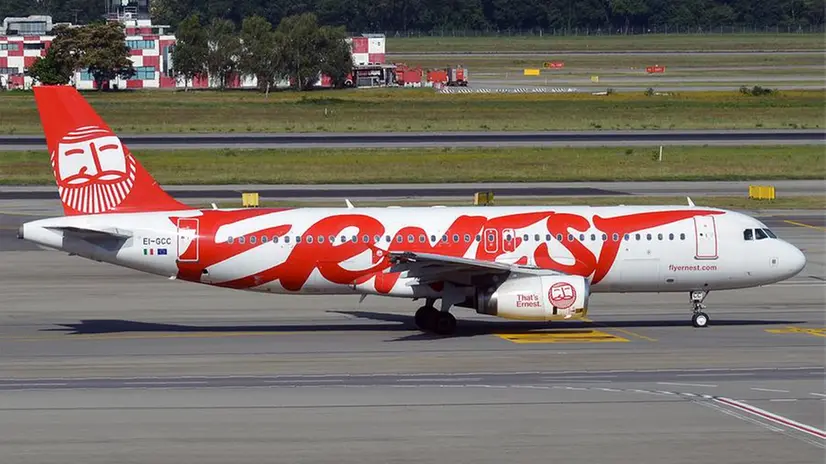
(562, 336)
(800, 224)
(815, 331)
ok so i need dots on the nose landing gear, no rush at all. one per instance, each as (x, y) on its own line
(699, 319)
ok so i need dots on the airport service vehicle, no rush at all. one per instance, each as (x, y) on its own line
(528, 263)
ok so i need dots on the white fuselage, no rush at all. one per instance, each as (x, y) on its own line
(340, 251)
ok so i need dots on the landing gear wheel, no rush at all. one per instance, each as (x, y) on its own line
(444, 324)
(700, 319)
(426, 317)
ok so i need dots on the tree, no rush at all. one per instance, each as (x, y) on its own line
(259, 56)
(297, 37)
(189, 56)
(224, 48)
(60, 62)
(101, 48)
(336, 60)
(48, 70)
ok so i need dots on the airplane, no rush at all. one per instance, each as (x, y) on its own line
(537, 263)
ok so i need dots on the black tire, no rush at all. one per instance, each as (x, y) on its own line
(445, 324)
(700, 320)
(425, 317)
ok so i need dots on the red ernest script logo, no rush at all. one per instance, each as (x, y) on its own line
(93, 170)
(562, 295)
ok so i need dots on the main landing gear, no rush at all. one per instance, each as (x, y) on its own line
(699, 319)
(430, 319)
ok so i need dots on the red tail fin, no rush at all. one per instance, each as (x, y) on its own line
(95, 172)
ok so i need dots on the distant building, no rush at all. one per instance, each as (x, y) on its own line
(23, 40)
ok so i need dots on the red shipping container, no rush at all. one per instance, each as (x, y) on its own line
(655, 69)
(360, 44)
(134, 84)
(437, 75)
(554, 64)
(28, 61)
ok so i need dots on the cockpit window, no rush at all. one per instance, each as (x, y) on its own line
(760, 234)
(769, 233)
(748, 234)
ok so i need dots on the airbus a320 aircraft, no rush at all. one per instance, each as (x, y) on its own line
(528, 263)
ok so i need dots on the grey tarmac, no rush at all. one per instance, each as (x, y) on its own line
(103, 364)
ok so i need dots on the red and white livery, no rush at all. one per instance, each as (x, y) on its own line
(529, 263)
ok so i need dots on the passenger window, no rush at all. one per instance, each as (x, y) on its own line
(627, 237)
(376, 238)
(274, 239)
(422, 239)
(659, 236)
(682, 236)
(570, 237)
(399, 239)
(410, 238)
(547, 237)
(559, 237)
(241, 240)
(387, 238)
(309, 239)
(525, 237)
(230, 239)
(455, 238)
(769, 233)
(604, 237)
(536, 237)
(648, 237)
(615, 237)
(748, 234)
(638, 237)
(433, 238)
(297, 239)
(478, 238)
(594, 237)
(671, 236)
(581, 237)
(287, 239)
(444, 238)
(320, 239)
(760, 234)
(467, 238)
(366, 238)
(263, 239)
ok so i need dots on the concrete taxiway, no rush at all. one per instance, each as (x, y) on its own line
(102, 364)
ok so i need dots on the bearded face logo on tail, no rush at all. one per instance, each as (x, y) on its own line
(94, 171)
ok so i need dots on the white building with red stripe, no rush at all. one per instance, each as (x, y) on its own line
(23, 40)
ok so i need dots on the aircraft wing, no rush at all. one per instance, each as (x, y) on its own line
(429, 268)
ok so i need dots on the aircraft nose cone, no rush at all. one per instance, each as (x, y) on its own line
(796, 260)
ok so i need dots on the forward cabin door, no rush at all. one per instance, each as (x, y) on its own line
(705, 233)
(189, 242)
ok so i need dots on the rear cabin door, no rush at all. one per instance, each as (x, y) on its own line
(508, 241)
(705, 233)
(189, 242)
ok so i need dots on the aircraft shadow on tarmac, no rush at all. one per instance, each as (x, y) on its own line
(389, 322)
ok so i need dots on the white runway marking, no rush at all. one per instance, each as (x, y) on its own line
(776, 418)
(769, 390)
(705, 385)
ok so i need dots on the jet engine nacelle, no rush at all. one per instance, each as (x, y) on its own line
(536, 298)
